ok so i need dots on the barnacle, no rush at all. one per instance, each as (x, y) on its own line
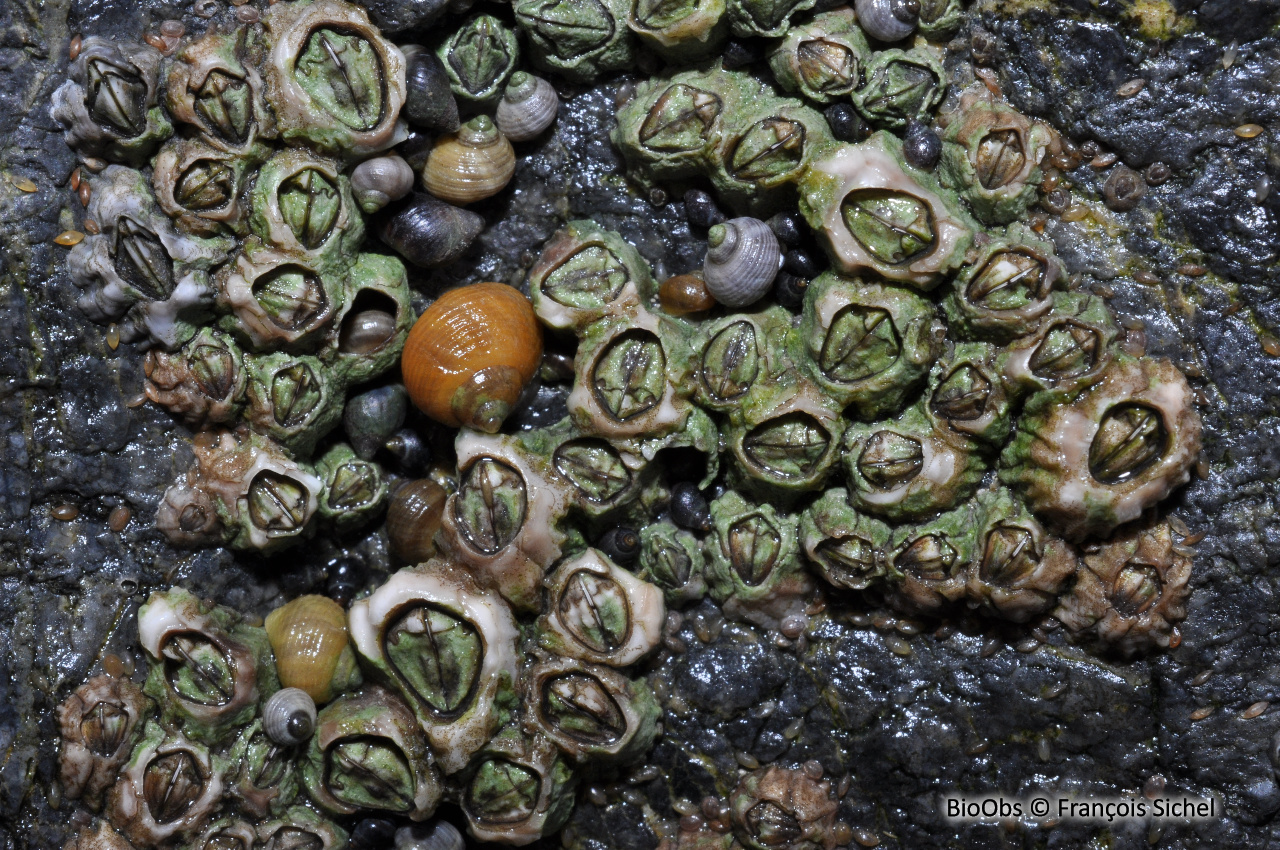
(776, 807)
(100, 723)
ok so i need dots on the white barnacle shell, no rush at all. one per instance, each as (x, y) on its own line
(379, 181)
(742, 261)
(528, 106)
(888, 20)
(289, 717)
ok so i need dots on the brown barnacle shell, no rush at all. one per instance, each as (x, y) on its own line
(591, 711)
(1089, 464)
(413, 519)
(277, 299)
(369, 753)
(99, 837)
(449, 647)
(1006, 289)
(600, 613)
(1130, 593)
(475, 163)
(168, 790)
(780, 807)
(200, 187)
(333, 81)
(188, 517)
(215, 86)
(312, 649)
(204, 675)
(502, 523)
(203, 383)
(99, 724)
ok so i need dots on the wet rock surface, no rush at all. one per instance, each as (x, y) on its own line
(909, 712)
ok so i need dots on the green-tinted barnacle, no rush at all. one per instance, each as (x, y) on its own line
(846, 547)
(928, 564)
(299, 828)
(491, 505)
(265, 777)
(874, 212)
(753, 564)
(900, 86)
(672, 559)
(906, 469)
(578, 40)
(200, 186)
(940, 19)
(1068, 349)
(203, 382)
(732, 357)
(769, 18)
(215, 86)
(332, 80)
(170, 787)
(1005, 290)
(302, 203)
(479, 57)
(293, 399)
(965, 394)
(518, 789)
(354, 490)
(599, 612)
(991, 155)
(369, 753)
(590, 711)
(278, 299)
(585, 272)
(867, 344)
(823, 59)
(369, 331)
(224, 833)
(792, 449)
(679, 30)
(1017, 567)
(757, 159)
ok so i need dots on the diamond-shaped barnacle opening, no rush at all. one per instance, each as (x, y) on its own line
(660, 14)
(568, 28)
(116, 97)
(861, 342)
(893, 227)
(731, 362)
(278, 503)
(214, 368)
(577, 705)
(826, 65)
(296, 393)
(1010, 280)
(490, 505)
(929, 558)
(596, 611)
(1009, 556)
(369, 771)
(789, 447)
(480, 54)
(197, 670)
(594, 468)
(770, 149)
(754, 546)
(1136, 589)
(851, 558)
(310, 203)
(680, 119)
(890, 460)
(354, 486)
(141, 260)
(291, 296)
(437, 655)
(502, 791)
(1068, 349)
(768, 15)
(103, 727)
(207, 185)
(588, 279)
(343, 73)
(224, 104)
(1130, 439)
(172, 784)
(629, 377)
(999, 158)
(962, 395)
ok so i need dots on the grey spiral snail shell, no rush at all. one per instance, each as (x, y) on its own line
(528, 106)
(742, 260)
(379, 181)
(289, 717)
(888, 20)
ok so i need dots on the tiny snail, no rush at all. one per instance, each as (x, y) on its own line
(289, 717)
(413, 518)
(470, 165)
(743, 258)
(888, 20)
(379, 181)
(528, 106)
(312, 650)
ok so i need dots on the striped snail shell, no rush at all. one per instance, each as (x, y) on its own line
(528, 106)
(379, 181)
(888, 20)
(289, 717)
(311, 646)
(474, 163)
(743, 258)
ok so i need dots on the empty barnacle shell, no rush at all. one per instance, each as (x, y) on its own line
(371, 417)
(448, 647)
(576, 40)
(428, 232)
(170, 788)
(429, 101)
(470, 354)
(888, 20)
(479, 57)
(474, 163)
(379, 181)
(518, 789)
(1089, 464)
(743, 258)
(600, 613)
(778, 807)
(312, 649)
(591, 711)
(413, 519)
(528, 106)
(822, 59)
(109, 107)
(203, 383)
(289, 717)
(846, 546)
(369, 753)
(99, 723)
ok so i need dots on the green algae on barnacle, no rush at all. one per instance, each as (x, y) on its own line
(845, 546)
(577, 40)
(822, 59)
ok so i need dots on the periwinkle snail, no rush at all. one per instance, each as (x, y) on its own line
(428, 232)
(429, 102)
(289, 717)
(743, 258)
(888, 20)
(528, 106)
(379, 181)
(469, 356)
(474, 163)
(312, 650)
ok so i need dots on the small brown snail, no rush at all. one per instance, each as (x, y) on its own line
(470, 354)
(472, 164)
(413, 518)
(312, 650)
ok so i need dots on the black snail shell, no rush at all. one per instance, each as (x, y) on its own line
(429, 102)
(888, 20)
(410, 449)
(689, 508)
(922, 147)
(428, 232)
(621, 544)
(289, 717)
(371, 418)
